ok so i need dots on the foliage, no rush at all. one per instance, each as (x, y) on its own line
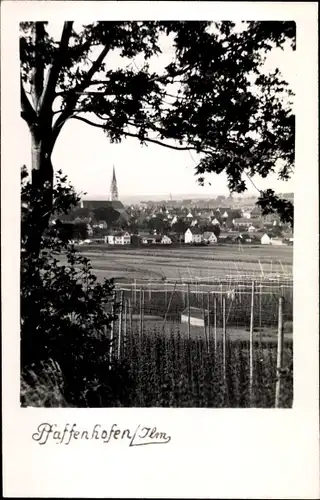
(215, 228)
(71, 230)
(180, 226)
(271, 203)
(213, 97)
(158, 225)
(80, 213)
(107, 214)
(65, 312)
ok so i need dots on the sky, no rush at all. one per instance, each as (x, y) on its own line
(85, 154)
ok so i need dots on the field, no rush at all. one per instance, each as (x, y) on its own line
(173, 364)
(128, 264)
(218, 364)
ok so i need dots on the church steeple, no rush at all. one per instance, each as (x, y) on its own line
(114, 187)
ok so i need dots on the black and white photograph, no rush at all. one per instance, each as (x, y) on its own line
(157, 214)
(164, 233)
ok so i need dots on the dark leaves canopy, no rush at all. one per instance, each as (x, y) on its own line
(213, 97)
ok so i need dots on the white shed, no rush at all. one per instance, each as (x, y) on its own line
(196, 316)
(265, 240)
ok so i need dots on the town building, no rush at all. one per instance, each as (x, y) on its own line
(209, 237)
(148, 239)
(277, 241)
(242, 223)
(215, 222)
(256, 212)
(193, 235)
(114, 187)
(266, 239)
(165, 240)
(113, 200)
(120, 238)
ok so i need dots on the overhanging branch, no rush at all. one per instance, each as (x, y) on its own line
(88, 122)
(144, 139)
(155, 141)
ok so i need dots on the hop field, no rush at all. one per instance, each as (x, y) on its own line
(172, 371)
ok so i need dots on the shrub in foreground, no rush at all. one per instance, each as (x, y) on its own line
(64, 310)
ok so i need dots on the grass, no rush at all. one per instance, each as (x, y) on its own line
(43, 387)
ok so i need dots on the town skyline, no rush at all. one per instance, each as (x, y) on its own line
(166, 196)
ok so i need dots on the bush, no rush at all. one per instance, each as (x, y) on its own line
(65, 314)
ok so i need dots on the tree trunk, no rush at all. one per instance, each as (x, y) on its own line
(42, 187)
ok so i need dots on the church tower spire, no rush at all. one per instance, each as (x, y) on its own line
(114, 187)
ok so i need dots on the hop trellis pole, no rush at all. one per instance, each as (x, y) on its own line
(120, 326)
(279, 352)
(140, 312)
(205, 323)
(112, 329)
(125, 323)
(208, 319)
(251, 340)
(224, 337)
(130, 316)
(135, 292)
(188, 300)
(215, 322)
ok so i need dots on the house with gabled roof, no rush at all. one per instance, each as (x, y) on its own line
(147, 238)
(174, 220)
(209, 237)
(242, 223)
(165, 240)
(256, 212)
(215, 222)
(266, 239)
(120, 238)
(193, 235)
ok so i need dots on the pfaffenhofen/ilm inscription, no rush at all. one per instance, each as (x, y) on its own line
(142, 435)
